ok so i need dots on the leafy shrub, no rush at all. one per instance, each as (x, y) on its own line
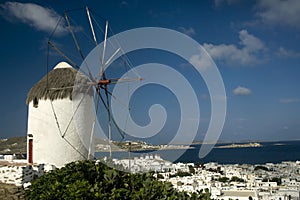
(237, 179)
(261, 168)
(180, 174)
(90, 180)
(223, 179)
(191, 169)
(274, 179)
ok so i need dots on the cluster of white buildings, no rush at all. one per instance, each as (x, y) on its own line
(149, 162)
(60, 132)
(224, 182)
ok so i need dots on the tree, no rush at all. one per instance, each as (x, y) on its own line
(223, 179)
(191, 169)
(274, 179)
(180, 174)
(236, 179)
(90, 180)
(204, 195)
(261, 168)
(218, 170)
(160, 176)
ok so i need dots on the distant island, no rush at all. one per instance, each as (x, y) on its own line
(136, 146)
(252, 144)
(17, 145)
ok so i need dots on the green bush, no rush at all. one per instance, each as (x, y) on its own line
(274, 179)
(90, 180)
(180, 174)
(223, 179)
(261, 168)
(237, 179)
(191, 169)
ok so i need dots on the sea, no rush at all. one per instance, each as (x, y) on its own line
(269, 152)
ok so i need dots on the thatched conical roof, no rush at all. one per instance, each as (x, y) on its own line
(59, 84)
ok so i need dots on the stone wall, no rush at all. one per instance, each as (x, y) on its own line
(20, 174)
(10, 191)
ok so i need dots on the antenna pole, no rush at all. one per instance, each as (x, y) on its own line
(109, 137)
(129, 155)
(91, 140)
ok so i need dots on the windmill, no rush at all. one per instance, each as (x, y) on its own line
(68, 106)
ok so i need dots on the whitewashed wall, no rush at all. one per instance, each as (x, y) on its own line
(48, 144)
(19, 175)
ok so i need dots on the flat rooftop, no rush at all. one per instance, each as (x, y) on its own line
(13, 163)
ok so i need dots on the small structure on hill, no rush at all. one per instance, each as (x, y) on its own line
(60, 118)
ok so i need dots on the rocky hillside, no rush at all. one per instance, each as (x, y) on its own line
(17, 145)
(13, 145)
(8, 191)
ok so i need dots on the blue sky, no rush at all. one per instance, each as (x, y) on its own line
(255, 45)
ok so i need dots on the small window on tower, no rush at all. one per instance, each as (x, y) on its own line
(35, 102)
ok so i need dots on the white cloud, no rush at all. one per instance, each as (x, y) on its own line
(229, 2)
(241, 91)
(248, 54)
(241, 119)
(279, 12)
(219, 97)
(201, 61)
(38, 17)
(286, 53)
(188, 31)
(123, 4)
(250, 42)
(289, 100)
(286, 128)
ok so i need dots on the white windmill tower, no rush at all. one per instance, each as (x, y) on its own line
(61, 125)
(59, 132)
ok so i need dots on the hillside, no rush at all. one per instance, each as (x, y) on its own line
(17, 145)
(13, 145)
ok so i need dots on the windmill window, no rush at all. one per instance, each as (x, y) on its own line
(35, 102)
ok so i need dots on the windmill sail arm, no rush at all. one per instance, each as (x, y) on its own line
(91, 25)
(53, 46)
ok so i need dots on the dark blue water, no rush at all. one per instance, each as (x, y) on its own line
(274, 152)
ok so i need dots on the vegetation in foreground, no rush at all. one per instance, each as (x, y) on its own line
(91, 180)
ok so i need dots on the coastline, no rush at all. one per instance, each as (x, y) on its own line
(247, 145)
(152, 148)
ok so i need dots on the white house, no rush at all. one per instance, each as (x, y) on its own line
(60, 118)
(241, 195)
